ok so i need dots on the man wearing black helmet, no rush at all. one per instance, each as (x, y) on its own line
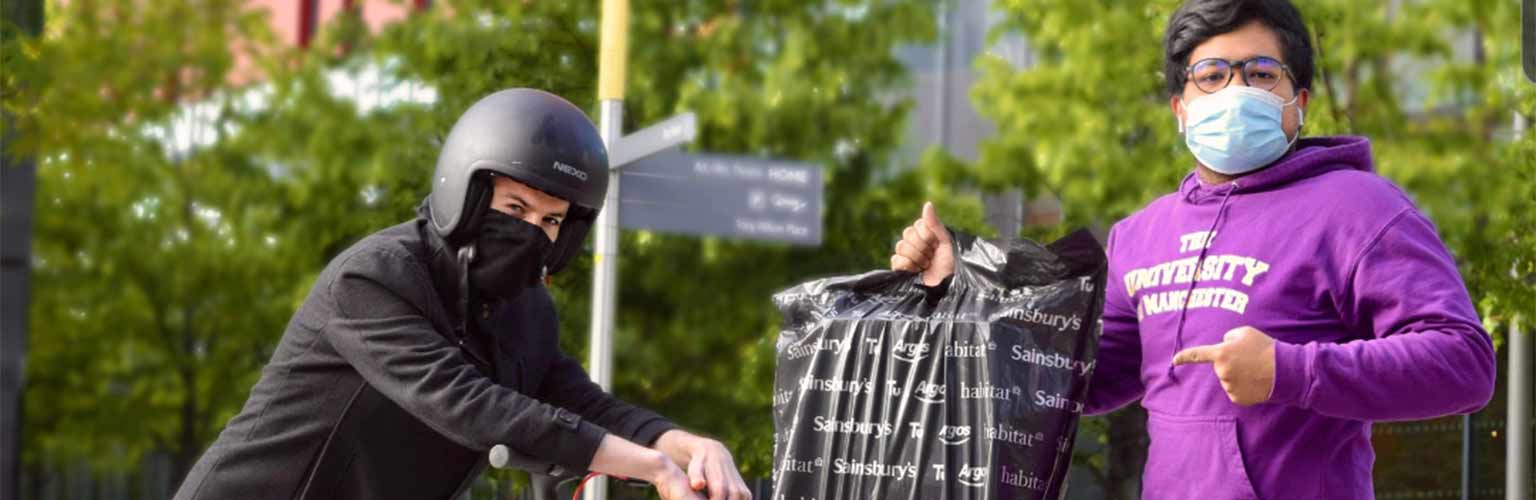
(428, 343)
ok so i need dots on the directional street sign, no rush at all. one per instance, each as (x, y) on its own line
(721, 195)
(669, 133)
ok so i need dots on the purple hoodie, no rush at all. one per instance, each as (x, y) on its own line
(1371, 319)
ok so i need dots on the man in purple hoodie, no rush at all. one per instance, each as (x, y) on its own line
(1282, 299)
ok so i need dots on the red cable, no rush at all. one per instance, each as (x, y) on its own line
(577, 494)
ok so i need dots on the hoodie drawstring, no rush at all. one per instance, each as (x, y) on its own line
(1210, 238)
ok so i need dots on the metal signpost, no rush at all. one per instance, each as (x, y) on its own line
(737, 197)
(667, 134)
(613, 50)
(1518, 444)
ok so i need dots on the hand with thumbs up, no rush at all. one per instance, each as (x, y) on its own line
(925, 248)
(1244, 362)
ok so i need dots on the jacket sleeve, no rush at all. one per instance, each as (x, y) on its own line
(380, 331)
(569, 387)
(1426, 354)
(1116, 378)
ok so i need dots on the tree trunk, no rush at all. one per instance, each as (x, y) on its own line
(188, 445)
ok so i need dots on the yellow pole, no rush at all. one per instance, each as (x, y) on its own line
(613, 56)
(611, 61)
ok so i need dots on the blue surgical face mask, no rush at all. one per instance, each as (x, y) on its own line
(1237, 129)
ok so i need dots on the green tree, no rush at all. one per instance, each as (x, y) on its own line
(1433, 83)
(151, 311)
(166, 274)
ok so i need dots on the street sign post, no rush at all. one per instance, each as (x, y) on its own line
(613, 53)
(721, 195)
(664, 135)
(696, 194)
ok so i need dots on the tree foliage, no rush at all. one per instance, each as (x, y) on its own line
(166, 275)
(151, 307)
(1434, 84)
(166, 268)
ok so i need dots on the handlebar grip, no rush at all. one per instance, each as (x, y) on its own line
(500, 456)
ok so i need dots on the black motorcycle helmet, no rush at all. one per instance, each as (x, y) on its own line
(534, 137)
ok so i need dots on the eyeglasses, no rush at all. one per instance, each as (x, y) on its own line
(1211, 75)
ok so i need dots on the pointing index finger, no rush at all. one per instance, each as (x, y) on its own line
(1193, 355)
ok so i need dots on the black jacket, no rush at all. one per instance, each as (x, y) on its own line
(379, 390)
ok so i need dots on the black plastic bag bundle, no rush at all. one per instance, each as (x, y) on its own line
(886, 389)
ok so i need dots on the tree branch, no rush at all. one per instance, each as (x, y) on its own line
(1327, 76)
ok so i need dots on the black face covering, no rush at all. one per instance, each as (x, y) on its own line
(509, 256)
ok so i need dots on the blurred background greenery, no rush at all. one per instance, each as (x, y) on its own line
(197, 165)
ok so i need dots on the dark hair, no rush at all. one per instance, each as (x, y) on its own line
(1199, 20)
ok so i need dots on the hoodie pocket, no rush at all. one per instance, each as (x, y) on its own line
(1194, 457)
